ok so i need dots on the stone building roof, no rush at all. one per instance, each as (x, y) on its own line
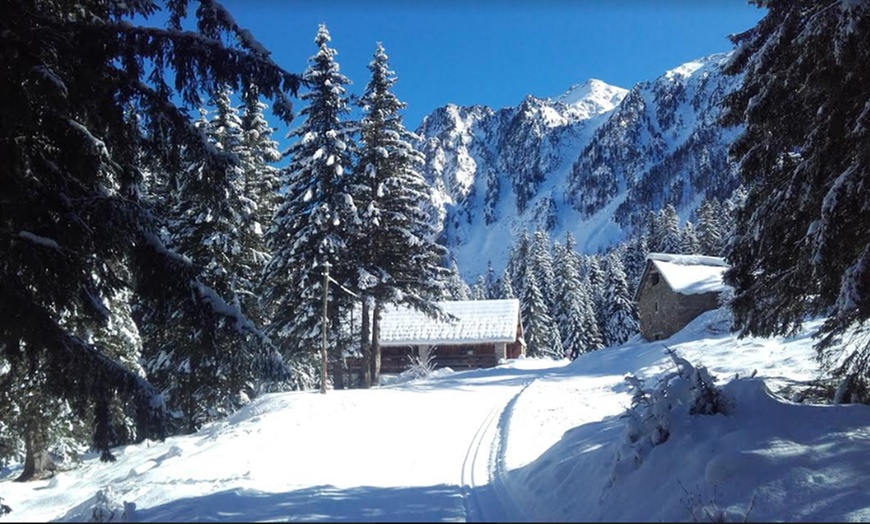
(689, 274)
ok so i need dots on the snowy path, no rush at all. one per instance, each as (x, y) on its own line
(422, 451)
(532, 440)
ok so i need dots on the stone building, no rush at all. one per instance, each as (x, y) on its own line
(674, 289)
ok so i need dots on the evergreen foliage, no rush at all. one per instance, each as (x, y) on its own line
(315, 217)
(670, 239)
(620, 320)
(578, 327)
(518, 261)
(455, 288)
(711, 238)
(541, 264)
(86, 111)
(540, 329)
(802, 244)
(399, 258)
(206, 367)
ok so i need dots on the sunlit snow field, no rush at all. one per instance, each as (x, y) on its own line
(528, 440)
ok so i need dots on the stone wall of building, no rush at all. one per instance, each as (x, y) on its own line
(662, 312)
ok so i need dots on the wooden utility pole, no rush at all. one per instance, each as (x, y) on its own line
(323, 372)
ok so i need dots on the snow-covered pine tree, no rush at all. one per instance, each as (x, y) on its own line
(209, 368)
(620, 317)
(653, 232)
(505, 289)
(689, 243)
(86, 111)
(539, 328)
(541, 264)
(669, 229)
(478, 290)
(803, 237)
(455, 288)
(518, 261)
(315, 217)
(634, 260)
(399, 258)
(597, 283)
(491, 283)
(578, 327)
(709, 231)
(261, 182)
(728, 218)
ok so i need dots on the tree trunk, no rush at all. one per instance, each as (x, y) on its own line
(366, 345)
(376, 344)
(37, 462)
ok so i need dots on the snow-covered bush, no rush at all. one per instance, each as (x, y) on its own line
(687, 391)
(105, 506)
(421, 368)
(4, 509)
(108, 509)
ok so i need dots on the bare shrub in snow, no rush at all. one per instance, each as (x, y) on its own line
(4, 509)
(687, 391)
(421, 368)
(709, 511)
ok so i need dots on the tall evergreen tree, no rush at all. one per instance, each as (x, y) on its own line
(455, 288)
(399, 258)
(597, 284)
(85, 112)
(578, 327)
(315, 216)
(491, 282)
(539, 328)
(209, 368)
(261, 182)
(620, 317)
(803, 236)
(518, 261)
(653, 232)
(634, 260)
(710, 234)
(505, 289)
(541, 264)
(689, 243)
(669, 229)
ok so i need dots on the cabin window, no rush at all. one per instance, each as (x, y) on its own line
(654, 280)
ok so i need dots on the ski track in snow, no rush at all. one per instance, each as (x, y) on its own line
(530, 440)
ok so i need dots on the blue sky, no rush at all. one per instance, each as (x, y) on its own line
(495, 52)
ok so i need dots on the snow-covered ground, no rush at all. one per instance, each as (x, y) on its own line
(527, 440)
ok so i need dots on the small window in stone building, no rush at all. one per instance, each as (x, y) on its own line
(654, 279)
(657, 306)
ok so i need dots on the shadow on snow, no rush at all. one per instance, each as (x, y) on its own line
(317, 503)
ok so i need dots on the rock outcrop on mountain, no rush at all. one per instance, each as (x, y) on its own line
(593, 161)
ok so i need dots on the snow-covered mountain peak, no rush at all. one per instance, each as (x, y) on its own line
(593, 161)
(689, 69)
(592, 97)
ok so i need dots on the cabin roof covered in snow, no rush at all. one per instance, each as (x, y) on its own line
(477, 322)
(690, 274)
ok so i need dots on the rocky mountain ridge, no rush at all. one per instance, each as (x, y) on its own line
(593, 161)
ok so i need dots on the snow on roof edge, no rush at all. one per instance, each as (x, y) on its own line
(689, 260)
(478, 321)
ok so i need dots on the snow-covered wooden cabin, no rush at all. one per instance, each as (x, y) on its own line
(674, 289)
(484, 332)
